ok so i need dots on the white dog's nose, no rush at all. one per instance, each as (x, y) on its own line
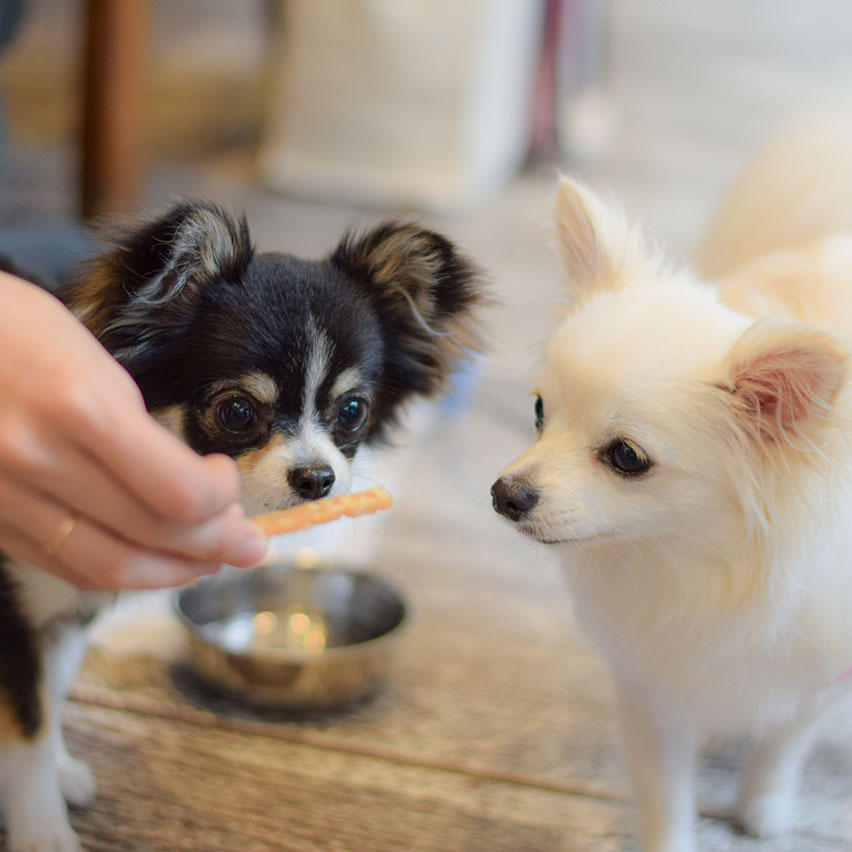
(513, 498)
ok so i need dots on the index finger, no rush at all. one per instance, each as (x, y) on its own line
(168, 476)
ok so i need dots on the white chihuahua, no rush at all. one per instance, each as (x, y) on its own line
(694, 462)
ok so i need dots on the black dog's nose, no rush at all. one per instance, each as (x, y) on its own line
(311, 482)
(512, 498)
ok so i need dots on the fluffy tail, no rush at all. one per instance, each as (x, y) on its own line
(799, 187)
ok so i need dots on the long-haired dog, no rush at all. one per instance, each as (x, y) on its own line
(287, 365)
(694, 465)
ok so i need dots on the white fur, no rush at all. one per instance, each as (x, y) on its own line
(717, 584)
(264, 472)
(36, 815)
(76, 781)
(317, 368)
(43, 596)
(38, 777)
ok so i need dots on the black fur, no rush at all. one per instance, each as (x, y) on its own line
(208, 327)
(185, 303)
(423, 294)
(21, 660)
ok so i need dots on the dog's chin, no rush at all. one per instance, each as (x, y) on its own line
(261, 505)
(542, 537)
(260, 501)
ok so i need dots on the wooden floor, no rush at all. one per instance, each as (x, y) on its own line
(494, 730)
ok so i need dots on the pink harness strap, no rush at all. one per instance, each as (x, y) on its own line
(847, 674)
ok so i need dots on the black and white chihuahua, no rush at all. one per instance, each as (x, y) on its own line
(286, 365)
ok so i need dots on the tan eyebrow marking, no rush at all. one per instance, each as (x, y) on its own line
(248, 461)
(348, 379)
(261, 387)
(172, 418)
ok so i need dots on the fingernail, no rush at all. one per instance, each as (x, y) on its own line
(251, 550)
(269, 558)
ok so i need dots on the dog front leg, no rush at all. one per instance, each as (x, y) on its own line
(660, 753)
(37, 774)
(76, 779)
(771, 771)
(36, 816)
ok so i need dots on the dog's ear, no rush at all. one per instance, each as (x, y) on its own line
(784, 380)
(425, 294)
(595, 241)
(148, 283)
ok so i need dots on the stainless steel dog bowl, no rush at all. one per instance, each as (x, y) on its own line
(302, 639)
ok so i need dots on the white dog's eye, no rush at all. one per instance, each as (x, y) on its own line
(539, 412)
(627, 459)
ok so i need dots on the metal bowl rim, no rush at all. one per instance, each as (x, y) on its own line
(285, 655)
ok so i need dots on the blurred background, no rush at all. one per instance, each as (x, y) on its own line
(427, 104)
(314, 115)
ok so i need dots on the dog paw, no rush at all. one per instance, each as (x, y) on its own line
(767, 815)
(42, 837)
(76, 781)
(720, 809)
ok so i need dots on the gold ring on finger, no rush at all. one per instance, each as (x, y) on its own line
(63, 530)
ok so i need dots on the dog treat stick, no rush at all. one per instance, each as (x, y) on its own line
(324, 510)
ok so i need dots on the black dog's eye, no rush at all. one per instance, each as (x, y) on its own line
(539, 412)
(236, 414)
(352, 413)
(627, 459)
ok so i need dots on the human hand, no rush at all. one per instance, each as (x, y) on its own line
(92, 488)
